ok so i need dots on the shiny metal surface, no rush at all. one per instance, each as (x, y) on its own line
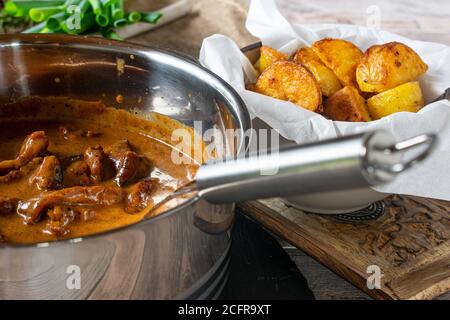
(387, 158)
(444, 96)
(345, 163)
(323, 166)
(182, 253)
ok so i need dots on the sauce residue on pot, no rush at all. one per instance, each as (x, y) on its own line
(71, 168)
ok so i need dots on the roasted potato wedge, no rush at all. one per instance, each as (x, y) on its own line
(386, 66)
(287, 80)
(341, 56)
(346, 105)
(268, 56)
(327, 80)
(406, 97)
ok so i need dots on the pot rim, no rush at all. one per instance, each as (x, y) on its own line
(90, 42)
(251, 47)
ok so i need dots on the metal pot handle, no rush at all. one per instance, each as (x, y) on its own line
(337, 164)
(427, 140)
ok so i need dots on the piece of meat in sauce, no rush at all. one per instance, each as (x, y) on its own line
(8, 205)
(32, 210)
(34, 145)
(22, 172)
(60, 217)
(139, 196)
(68, 160)
(86, 214)
(11, 176)
(95, 158)
(49, 175)
(77, 174)
(70, 133)
(128, 164)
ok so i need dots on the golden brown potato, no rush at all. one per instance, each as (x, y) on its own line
(269, 56)
(341, 56)
(346, 105)
(327, 80)
(287, 80)
(406, 97)
(386, 66)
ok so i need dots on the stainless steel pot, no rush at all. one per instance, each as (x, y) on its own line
(184, 252)
(168, 257)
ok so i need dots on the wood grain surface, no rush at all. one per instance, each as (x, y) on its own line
(410, 243)
(421, 20)
(207, 18)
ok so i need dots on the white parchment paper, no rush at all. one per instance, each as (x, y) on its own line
(432, 179)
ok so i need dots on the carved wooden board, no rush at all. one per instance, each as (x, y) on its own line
(410, 244)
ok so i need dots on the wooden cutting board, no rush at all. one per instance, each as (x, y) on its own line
(410, 243)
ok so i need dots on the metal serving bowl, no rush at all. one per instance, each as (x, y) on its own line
(182, 253)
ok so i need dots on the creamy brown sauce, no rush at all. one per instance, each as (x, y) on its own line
(89, 124)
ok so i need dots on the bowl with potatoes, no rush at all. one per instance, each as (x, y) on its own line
(340, 82)
(336, 79)
(312, 82)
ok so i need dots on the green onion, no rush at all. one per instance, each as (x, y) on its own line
(70, 3)
(83, 6)
(87, 21)
(102, 20)
(150, 17)
(96, 6)
(73, 7)
(114, 36)
(35, 29)
(107, 3)
(20, 8)
(83, 10)
(120, 23)
(134, 17)
(47, 30)
(11, 9)
(110, 34)
(71, 16)
(117, 11)
(41, 14)
(54, 22)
